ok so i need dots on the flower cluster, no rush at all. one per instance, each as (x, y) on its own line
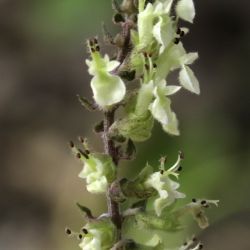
(148, 49)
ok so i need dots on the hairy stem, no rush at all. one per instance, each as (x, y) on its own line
(109, 145)
(110, 149)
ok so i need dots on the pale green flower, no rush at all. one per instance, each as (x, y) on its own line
(197, 209)
(144, 98)
(188, 80)
(164, 31)
(185, 10)
(165, 186)
(107, 88)
(147, 29)
(99, 171)
(100, 235)
(161, 107)
(145, 25)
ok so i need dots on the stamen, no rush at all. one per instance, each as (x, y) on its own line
(176, 40)
(68, 231)
(91, 43)
(71, 144)
(178, 32)
(80, 236)
(182, 33)
(180, 168)
(194, 200)
(181, 155)
(146, 67)
(81, 139)
(84, 230)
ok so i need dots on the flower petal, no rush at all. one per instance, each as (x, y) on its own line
(172, 126)
(172, 89)
(107, 89)
(188, 80)
(185, 10)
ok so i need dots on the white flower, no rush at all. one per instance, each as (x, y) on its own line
(99, 171)
(161, 107)
(107, 88)
(100, 235)
(185, 10)
(165, 186)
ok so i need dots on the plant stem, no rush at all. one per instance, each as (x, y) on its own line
(110, 149)
(109, 145)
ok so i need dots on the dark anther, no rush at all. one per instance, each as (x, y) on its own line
(68, 231)
(87, 152)
(194, 239)
(194, 200)
(92, 50)
(97, 48)
(84, 230)
(145, 54)
(203, 202)
(155, 65)
(176, 40)
(178, 31)
(91, 43)
(78, 155)
(150, 55)
(162, 171)
(71, 144)
(185, 243)
(200, 246)
(173, 18)
(181, 155)
(182, 33)
(118, 18)
(80, 236)
(146, 67)
(83, 153)
(95, 40)
(81, 139)
(179, 168)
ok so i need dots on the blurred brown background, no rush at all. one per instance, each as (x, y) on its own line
(42, 53)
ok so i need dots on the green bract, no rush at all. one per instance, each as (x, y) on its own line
(136, 127)
(100, 235)
(107, 88)
(99, 171)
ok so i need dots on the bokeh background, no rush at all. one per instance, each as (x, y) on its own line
(42, 53)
